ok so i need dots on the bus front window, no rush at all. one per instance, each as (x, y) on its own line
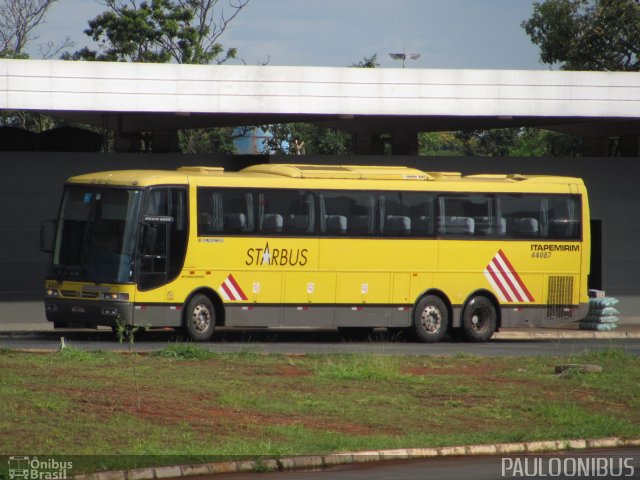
(96, 234)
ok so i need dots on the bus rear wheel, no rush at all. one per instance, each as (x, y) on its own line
(479, 319)
(200, 319)
(430, 319)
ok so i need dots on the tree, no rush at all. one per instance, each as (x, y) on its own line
(587, 34)
(517, 142)
(367, 62)
(207, 140)
(161, 31)
(307, 139)
(439, 144)
(18, 19)
(182, 31)
(493, 143)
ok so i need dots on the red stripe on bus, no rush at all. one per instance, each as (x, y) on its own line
(515, 274)
(505, 276)
(237, 287)
(228, 291)
(499, 282)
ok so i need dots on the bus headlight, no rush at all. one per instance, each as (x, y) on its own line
(117, 297)
(52, 293)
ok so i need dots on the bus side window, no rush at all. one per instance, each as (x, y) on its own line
(299, 216)
(237, 211)
(406, 214)
(564, 217)
(210, 217)
(361, 216)
(553, 217)
(333, 213)
(524, 215)
(466, 215)
(286, 212)
(351, 213)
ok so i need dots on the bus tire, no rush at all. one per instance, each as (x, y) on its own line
(479, 319)
(430, 319)
(200, 319)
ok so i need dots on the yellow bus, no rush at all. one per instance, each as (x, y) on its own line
(348, 247)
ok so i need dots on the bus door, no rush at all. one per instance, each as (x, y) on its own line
(162, 249)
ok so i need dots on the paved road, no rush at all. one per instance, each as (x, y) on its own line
(311, 342)
(619, 463)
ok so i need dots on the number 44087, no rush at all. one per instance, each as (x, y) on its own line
(540, 254)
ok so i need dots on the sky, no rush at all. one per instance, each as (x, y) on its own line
(474, 34)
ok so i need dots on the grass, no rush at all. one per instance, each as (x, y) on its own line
(196, 405)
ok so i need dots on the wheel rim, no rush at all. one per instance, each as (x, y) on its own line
(201, 318)
(480, 319)
(431, 319)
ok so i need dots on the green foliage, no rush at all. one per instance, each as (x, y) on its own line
(367, 62)
(74, 354)
(183, 351)
(274, 405)
(495, 143)
(127, 333)
(307, 139)
(160, 31)
(587, 34)
(439, 143)
(518, 142)
(532, 142)
(35, 122)
(360, 368)
(207, 140)
(13, 55)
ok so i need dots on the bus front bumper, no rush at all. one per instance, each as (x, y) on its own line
(88, 313)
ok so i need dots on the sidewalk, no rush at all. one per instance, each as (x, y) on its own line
(624, 330)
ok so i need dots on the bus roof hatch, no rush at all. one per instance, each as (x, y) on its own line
(340, 172)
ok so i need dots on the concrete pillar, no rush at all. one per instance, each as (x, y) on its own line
(402, 143)
(165, 141)
(367, 144)
(127, 142)
(405, 143)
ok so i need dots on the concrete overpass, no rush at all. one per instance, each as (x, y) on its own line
(162, 98)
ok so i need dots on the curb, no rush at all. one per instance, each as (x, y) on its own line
(563, 335)
(316, 462)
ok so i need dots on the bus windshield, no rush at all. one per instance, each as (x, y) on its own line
(96, 234)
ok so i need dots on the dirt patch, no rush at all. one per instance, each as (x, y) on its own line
(291, 371)
(200, 411)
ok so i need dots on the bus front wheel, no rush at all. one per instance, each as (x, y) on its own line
(200, 319)
(479, 319)
(430, 319)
